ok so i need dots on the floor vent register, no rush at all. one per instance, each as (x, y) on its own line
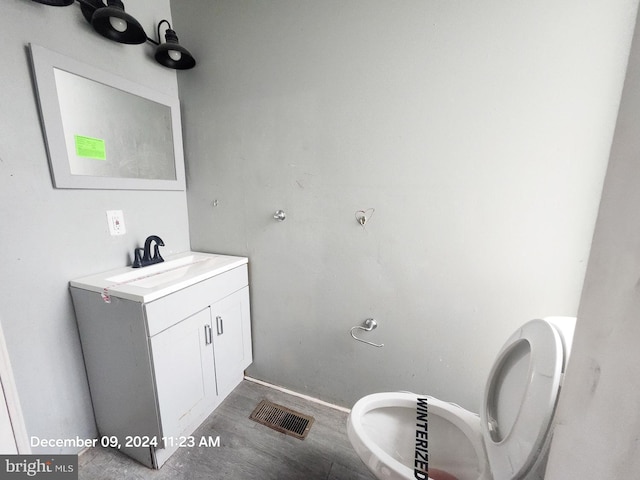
(282, 419)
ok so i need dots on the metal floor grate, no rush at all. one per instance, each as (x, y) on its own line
(282, 419)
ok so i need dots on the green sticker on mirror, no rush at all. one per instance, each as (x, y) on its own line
(88, 147)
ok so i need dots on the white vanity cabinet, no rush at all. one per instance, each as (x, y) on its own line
(160, 359)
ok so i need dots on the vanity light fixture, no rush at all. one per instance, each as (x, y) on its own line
(111, 21)
(171, 54)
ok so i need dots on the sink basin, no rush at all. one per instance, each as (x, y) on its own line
(149, 283)
(153, 275)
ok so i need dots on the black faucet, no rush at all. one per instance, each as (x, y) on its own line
(142, 256)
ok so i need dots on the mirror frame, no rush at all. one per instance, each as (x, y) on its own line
(44, 62)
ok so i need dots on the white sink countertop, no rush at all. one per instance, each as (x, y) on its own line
(150, 283)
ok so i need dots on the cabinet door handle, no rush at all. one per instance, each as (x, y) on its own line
(207, 335)
(219, 326)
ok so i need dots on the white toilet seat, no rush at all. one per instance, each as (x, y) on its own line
(514, 446)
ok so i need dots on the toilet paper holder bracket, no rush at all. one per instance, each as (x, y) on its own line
(368, 325)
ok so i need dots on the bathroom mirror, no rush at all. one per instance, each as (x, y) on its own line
(105, 132)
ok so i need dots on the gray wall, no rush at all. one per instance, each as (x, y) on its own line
(598, 418)
(478, 131)
(50, 236)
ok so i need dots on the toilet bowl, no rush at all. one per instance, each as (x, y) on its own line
(382, 430)
(510, 438)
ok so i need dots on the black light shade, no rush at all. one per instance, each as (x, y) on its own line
(56, 3)
(173, 55)
(115, 24)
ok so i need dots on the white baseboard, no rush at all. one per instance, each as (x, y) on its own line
(296, 394)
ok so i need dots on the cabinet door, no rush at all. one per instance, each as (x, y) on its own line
(231, 339)
(184, 372)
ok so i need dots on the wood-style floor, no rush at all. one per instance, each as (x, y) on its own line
(248, 450)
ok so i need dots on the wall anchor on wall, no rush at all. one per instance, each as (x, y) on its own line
(363, 216)
(280, 215)
(368, 325)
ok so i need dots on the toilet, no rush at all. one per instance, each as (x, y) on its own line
(510, 438)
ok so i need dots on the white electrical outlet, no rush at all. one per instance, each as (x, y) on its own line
(115, 219)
